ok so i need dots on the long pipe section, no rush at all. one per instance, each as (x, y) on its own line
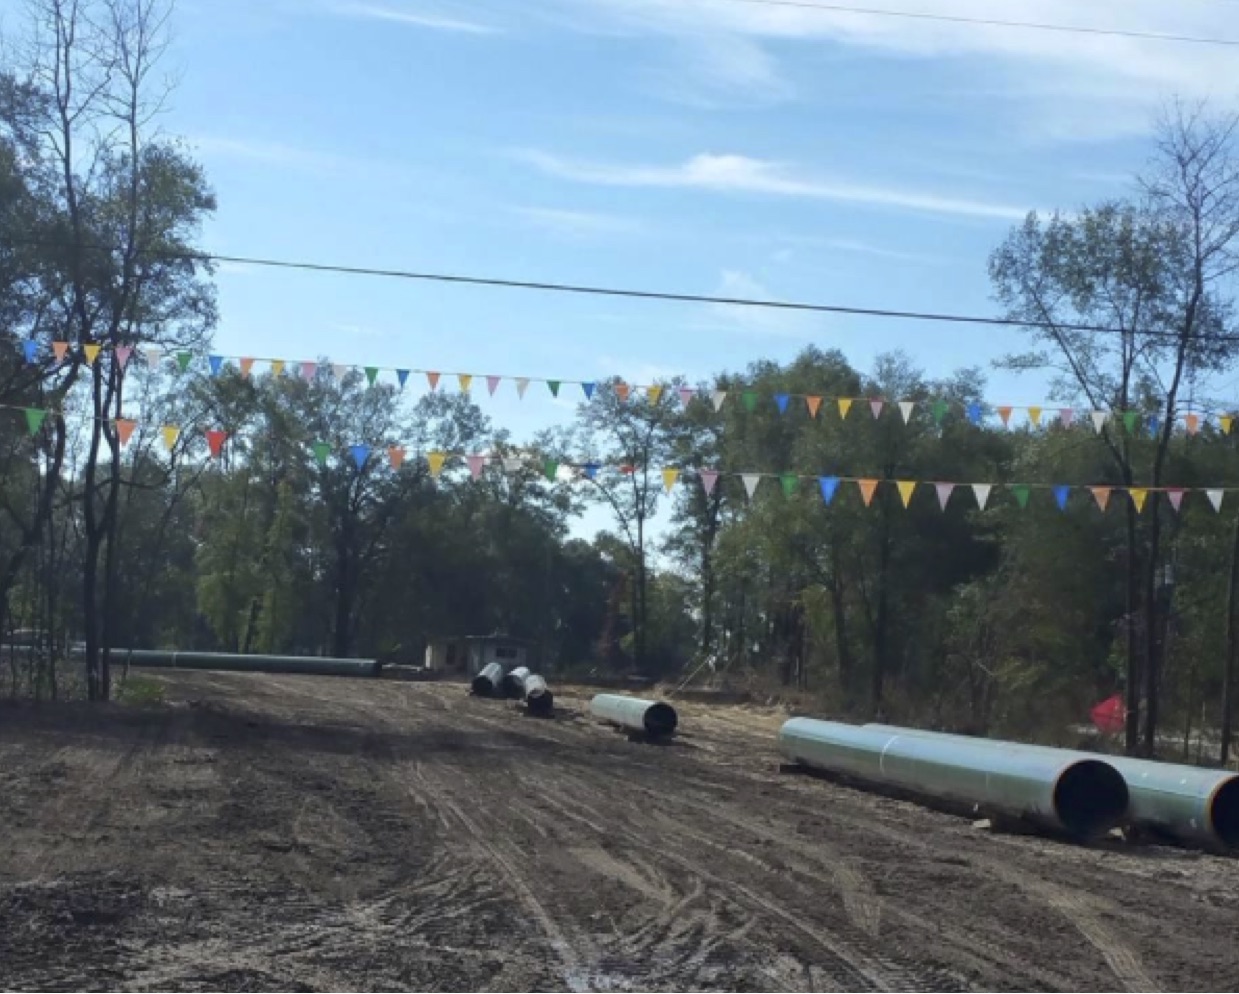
(1193, 805)
(514, 683)
(489, 680)
(1081, 797)
(239, 662)
(538, 697)
(653, 718)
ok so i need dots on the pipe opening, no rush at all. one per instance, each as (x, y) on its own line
(482, 686)
(660, 719)
(542, 702)
(1090, 798)
(1224, 813)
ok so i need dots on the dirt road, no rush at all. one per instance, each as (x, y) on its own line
(297, 833)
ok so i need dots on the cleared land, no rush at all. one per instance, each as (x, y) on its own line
(296, 833)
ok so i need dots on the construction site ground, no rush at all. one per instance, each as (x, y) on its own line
(283, 833)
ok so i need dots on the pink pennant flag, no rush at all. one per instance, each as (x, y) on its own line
(308, 369)
(876, 407)
(1065, 416)
(944, 493)
(1176, 497)
(709, 477)
(476, 464)
(123, 352)
(492, 384)
(686, 395)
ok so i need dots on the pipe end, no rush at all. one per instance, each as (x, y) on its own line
(660, 719)
(1224, 813)
(1090, 798)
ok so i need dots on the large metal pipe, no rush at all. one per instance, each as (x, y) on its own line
(1083, 797)
(1193, 805)
(538, 696)
(654, 718)
(239, 662)
(514, 683)
(489, 680)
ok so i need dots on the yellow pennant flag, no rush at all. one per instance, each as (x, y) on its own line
(1138, 496)
(845, 405)
(170, 434)
(906, 489)
(436, 460)
(669, 477)
(466, 381)
(92, 353)
(867, 488)
(654, 394)
(277, 367)
(1227, 421)
(1034, 415)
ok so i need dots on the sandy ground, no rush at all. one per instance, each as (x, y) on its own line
(264, 833)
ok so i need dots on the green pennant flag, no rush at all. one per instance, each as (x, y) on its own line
(940, 409)
(551, 469)
(183, 359)
(34, 419)
(372, 374)
(554, 385)
(790, 482)
(1022, 493)
(1130, 418)
(750, 400)
(321, 451)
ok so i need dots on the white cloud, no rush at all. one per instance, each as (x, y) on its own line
(577, 224)
(742, 174)
(414, 18)
(739, 285)
(272, 153)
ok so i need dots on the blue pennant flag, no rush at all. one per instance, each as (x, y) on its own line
(1060, 495)
(974, 413)
(591, 469)
(217, 363)
(402, 375)
(32, 350)
(781, 399)
(1155, 424)
(589, 390)
(360, 454)
(829, 485)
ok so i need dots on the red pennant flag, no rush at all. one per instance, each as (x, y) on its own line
(60, 350)
(433, 380)
(1110, 715)
(215, 439)
(1193, 423)
(813, 403)
(247, 365)
(396, 454)
(622, 390)
(124, 428)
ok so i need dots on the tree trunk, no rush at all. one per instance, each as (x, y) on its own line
(1232, 645)
(880, 615)
(1152, 656)
(1132, 731)
(839, 605)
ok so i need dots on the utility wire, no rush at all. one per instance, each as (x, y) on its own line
(994, 22)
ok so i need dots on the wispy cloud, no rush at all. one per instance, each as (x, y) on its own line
(742, 174)
(578, 224)
(740, 285)
(414, 18)
(271, 152)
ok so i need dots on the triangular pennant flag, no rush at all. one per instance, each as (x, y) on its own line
(1101, 495)
(1061, 493)
(553, 386)
(395, 454)
(153, 355)
(982, 492)
(1034, 415)
(522, 384)
(814, 404)
(709, 477)
(1138, 496)
(1193, 423)
(1065, 416)
(906, 489)
(781, 400)
(669, 477)
(124, 429)
(790, 482)
(122, 353)
(718, 397)
(829, 485)
(433, 379)
(654, 393)
(1130, 418)
(465, 380)
(588, 390)
(215, 440)
(60, 350)
(551, 469)
(627, 468)
(339, 370)
(875, 406)
(686, 395)
(512, 464)
(217, 364)
(277, 367)
(845, 405)
(360, 454)
(92, 353)
(974, 413)
(1226, 422)
(34, 419)
(940, 409)
(170, 434)
(247, 366)
(622, 390)
(308, 370)
(749, 399)
(1175, 497)
(476, 465)
(492, 384)
(321, 451)
(436, 461)
(372, 374)
(944, 493)
(591, 469)
(1155, 424)
(1099, 420)
(905, 408)
(31, 348)
(1215, 498)
(750, 482)
(1004, 412)
(867, 489)
(1022, 493)
(402, 377)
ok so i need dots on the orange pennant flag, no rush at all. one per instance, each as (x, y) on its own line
(124, 428)
(1193, 423)
(621, 390)
(1138, 497)
(906, 489)
(170, 434)
(1034, 415)
(60, 349)
(436, 460)
(845, 405)
(1005, 414)
(247, 364)
(867, 488)
(465, 380)
(92, 353)
(433, 380)
(396, 454)
(1101, 495)
(654, 394)
(669, 478)
(813, 403)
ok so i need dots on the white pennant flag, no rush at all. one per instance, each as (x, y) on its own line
(153, 355)
(1099, 420)
(339, 370)
(750, 482)
(512, 463)
(905, 408)
(522, 384)
(1215, 498)
(982, 491)
(719, 397)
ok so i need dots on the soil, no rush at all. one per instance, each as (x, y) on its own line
(282, 833)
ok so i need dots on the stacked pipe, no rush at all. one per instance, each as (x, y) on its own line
(239, 662)
(518, 684)
(488, 681)
(656, 719)
(538, 697)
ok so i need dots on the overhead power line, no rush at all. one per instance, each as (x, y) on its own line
(833, 8)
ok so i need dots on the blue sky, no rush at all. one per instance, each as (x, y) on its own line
(690, 145)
